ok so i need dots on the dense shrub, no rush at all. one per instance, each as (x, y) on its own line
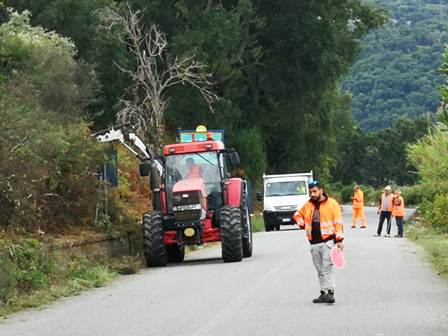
(47, 159)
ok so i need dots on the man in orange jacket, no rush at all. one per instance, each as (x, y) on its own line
(398, 212)
(193, 169)
(321, 217)
(385, 210)
(358, 208)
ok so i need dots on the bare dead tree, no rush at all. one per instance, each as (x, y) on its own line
(155, 72)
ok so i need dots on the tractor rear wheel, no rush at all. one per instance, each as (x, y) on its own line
(175, 253)
(231, 234)
(155, 250)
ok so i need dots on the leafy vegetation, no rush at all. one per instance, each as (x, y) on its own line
(379, 158)
(46, 160)
(397, 73)
(275, 66)
(430, 157)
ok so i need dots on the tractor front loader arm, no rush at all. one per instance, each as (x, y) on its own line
(132, 143)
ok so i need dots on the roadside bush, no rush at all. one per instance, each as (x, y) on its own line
(371, 195)
(435, 213)
(47, 159)
(347, 193)
(34, 263)
(344, 194)
(412, 195)
(8, 275)
(333, 190)
(86, 274)
(25, 265)
(430, 156)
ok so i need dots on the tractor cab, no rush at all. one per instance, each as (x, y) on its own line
(204, 163)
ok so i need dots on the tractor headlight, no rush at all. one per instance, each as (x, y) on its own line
(189, 232)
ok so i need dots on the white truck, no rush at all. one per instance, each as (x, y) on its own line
(282, 195)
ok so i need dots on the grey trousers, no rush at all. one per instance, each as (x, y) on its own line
(324, 265)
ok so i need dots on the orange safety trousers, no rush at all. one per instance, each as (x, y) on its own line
(358, 213)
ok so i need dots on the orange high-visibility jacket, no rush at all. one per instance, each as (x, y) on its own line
(390, 204)
(330, 219)
(358, 199)
(195, 171)
(398, 210)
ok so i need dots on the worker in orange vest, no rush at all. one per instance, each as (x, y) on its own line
(385, 210)
(398, 212)
(358, 208)
(193, 169)
(322, 219)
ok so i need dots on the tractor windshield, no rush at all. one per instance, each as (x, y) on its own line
(191, 165)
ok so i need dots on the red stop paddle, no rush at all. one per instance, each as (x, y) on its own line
(337, 257)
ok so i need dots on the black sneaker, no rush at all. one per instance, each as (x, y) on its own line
(330, 297)
(322, 298)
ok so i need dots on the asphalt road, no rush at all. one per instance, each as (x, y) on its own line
(386, 288)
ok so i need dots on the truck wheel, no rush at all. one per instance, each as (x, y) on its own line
(155, 250)
(231, 234)
(175, 253)
(247, 241)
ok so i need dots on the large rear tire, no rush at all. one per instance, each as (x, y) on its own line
(231, 234)
(175, 253)
(155, 250)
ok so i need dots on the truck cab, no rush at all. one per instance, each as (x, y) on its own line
(283, 194)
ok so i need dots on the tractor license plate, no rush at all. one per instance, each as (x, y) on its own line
(286, 220)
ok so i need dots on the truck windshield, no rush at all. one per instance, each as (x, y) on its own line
(285, 188)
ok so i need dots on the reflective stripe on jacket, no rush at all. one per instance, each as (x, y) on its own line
(330, 219)
(398, 210)
(358, 199)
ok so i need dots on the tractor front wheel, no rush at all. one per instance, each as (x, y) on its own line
(231, 234)
(155, 250)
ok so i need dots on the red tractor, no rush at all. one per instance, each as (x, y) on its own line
(195, 199)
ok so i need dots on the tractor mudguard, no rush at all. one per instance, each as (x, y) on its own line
(233, 192)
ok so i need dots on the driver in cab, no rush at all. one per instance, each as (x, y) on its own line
(193, 170)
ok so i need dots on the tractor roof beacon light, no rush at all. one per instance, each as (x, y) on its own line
(200, 134)
(201, 129)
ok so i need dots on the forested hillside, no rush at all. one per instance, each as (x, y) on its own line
(398, 73)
